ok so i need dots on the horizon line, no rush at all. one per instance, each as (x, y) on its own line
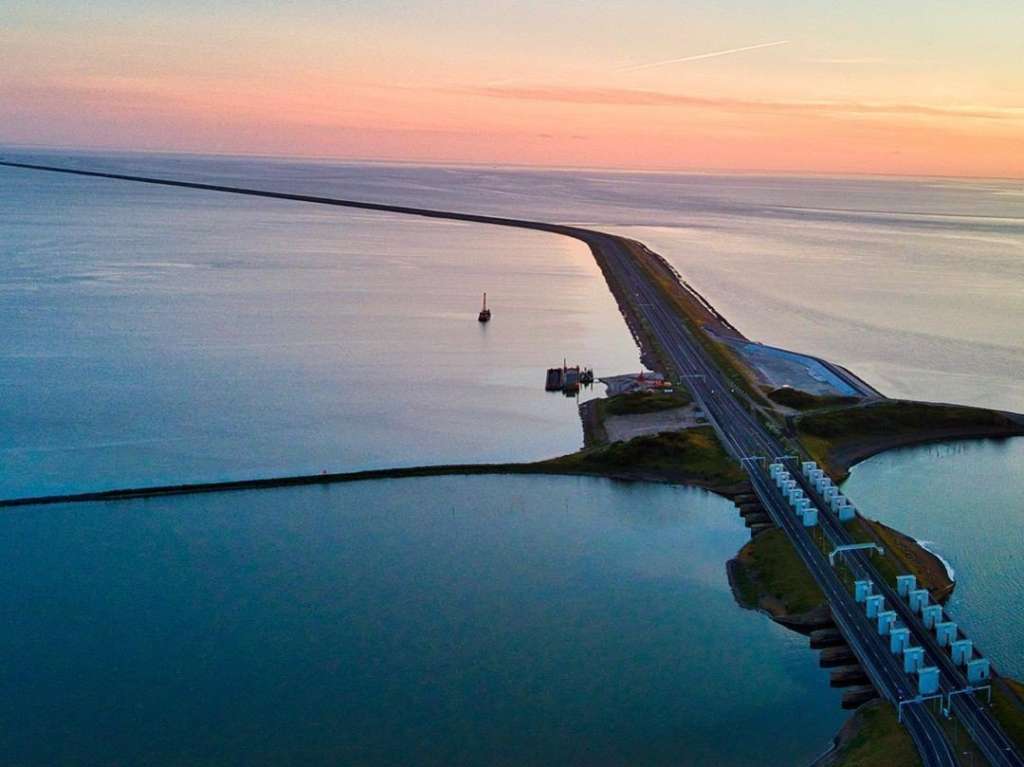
(692, 170)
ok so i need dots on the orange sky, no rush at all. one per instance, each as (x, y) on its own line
(930, 88)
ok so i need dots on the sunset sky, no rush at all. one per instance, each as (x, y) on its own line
(910, 87)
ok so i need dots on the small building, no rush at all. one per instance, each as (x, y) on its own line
(886, 622)
(913, 659)
(899, 640)
(919, 599)
(905, 584)
(927, 680)
(979, 670)
(945, 633)
(931, 615)
(962, 650)
(862, 590)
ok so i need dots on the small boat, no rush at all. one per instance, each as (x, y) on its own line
(554, 380)
(571, 381)
(485, 313)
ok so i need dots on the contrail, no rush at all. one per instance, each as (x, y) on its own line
(711, 55)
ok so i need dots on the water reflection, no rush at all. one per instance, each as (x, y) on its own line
(472, 620)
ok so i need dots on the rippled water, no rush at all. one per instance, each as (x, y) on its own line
(920, 310)
(966, 499)
(482, 620)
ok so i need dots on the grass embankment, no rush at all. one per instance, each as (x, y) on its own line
(1008, 707)
(693, 456)
(838, 438)
(767, 574)
(903, 555)
(595, 412)
(801, 400)
(635, 403)
(873, 737)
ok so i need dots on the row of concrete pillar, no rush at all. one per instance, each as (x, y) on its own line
(899, 637)
(946, 633)
(794, 494)
(961, 650)
(837, 502)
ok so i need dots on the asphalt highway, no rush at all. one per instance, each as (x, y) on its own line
(746, 438)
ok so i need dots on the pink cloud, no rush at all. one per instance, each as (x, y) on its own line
(626, 97)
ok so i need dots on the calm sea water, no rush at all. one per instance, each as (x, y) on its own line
(926, 306)
(482, 620)
(917, 284)
(158, 336)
